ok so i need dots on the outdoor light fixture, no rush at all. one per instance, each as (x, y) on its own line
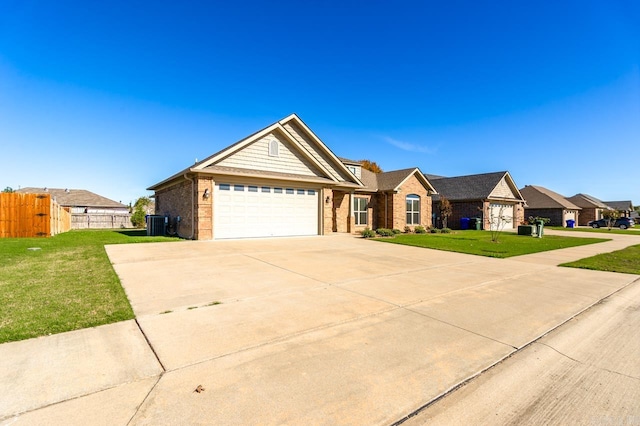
(328, 199)
(206, 194)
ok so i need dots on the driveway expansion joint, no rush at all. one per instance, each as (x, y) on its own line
(155, 354)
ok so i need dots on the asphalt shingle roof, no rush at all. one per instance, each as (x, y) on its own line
(620, 205)
(74, 197)
(587, 201)
(538, 197)
(470, 187)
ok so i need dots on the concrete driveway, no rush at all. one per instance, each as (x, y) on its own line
(319, 330)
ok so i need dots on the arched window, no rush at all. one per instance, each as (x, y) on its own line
(413, 209)
(274, 148)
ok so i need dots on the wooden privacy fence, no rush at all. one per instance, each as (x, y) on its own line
(31, 215)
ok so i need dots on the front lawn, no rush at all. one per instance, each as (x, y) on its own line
(632, 231)
(626, 260)
(62, 283)
(479, 243)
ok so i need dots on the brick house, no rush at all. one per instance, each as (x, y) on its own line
(543, 202)
(483, 196)
(592, 208)
(284, 181)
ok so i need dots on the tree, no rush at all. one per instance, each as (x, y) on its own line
(139, 212)
(610, 216)
(372, 166)
(498, 222)
(8, 189)
(445, 210)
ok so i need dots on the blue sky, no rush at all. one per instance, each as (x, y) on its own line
(115, 96)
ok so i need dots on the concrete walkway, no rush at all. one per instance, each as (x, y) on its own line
(320, 330)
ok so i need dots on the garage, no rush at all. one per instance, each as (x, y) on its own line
(497, 210)
(248, 210)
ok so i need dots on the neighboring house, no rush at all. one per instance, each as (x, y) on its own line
(543, 202)
(592, 208)
(88, 210)
(483, 196)
(624, 207)
(284, 181)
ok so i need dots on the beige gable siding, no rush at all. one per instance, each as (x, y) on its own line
(502, 190)
(256, 157)
(323, 159)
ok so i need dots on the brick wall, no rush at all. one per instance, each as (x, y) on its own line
(176, 201)
(204, 209)
(341, 221)
(327, 211)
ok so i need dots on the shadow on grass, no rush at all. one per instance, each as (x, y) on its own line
(133, 232)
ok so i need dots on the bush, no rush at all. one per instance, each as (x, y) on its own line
(384, 232)
(419, 230)
(396, 231)
(407, 229)
(434, 230)
(446, 230)
(367, 233)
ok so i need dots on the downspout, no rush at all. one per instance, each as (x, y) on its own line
(193, 209)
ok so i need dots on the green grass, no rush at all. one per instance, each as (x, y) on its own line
(479, 243)
(626, 260)
(68, 284)
(597, 230)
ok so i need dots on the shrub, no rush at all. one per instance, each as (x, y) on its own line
(407, 229)
(446, 230)
(419, 230)
(384, 232)
(367, 233)
(396, 231)
(434, 230)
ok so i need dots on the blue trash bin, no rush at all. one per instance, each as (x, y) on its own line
(571, 223)
(464, 223)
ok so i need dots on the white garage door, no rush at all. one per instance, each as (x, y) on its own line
(501, 216)
(243, 211)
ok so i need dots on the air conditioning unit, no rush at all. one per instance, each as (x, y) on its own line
(156, 225)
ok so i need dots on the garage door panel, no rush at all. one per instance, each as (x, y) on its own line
(505, 210)
(264, 212)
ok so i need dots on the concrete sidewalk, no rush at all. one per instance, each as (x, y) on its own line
(321, 330)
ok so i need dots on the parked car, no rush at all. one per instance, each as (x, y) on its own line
(622, 223)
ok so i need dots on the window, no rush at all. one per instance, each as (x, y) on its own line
(225, 187)
(289, 190)
(413, 209)
(277, 190)
(311, 192)
(253, 188)
(300, 191)
(352, 169)
(360, 211)
(266, 189)
(239, 188)
(274, 148)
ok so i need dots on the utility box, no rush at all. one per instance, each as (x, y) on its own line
(156, 225)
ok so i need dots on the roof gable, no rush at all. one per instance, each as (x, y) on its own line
(305, 155)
